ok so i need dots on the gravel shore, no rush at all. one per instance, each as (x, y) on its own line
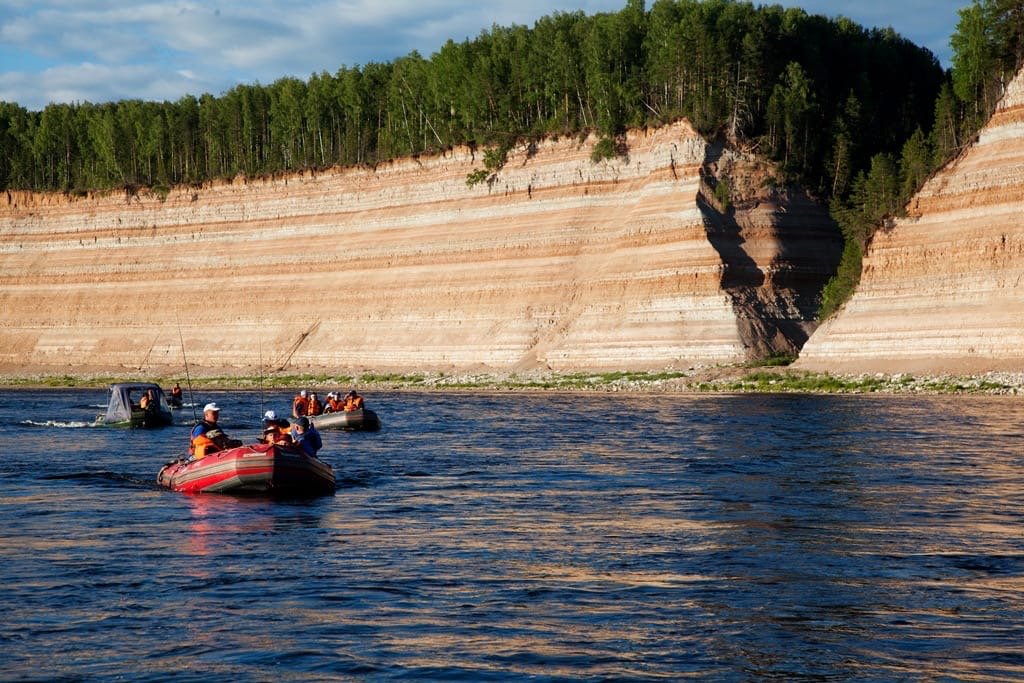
(717, 379)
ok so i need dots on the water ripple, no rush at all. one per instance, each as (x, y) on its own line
(547, 537)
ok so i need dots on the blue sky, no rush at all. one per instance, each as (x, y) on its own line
(101, 50)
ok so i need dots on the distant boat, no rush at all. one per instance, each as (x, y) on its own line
(123, 409)
(258, 468)
(363, 419)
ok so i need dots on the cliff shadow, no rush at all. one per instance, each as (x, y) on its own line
(739, 269)
(776, 302)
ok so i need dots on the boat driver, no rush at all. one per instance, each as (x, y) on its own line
(207, 436)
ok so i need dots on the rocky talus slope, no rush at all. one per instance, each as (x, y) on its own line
(556, 262)
(942, 291)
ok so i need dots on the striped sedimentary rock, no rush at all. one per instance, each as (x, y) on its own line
(556, 261)
(943, 289)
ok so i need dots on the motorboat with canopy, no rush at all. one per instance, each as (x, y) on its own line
(125, 406)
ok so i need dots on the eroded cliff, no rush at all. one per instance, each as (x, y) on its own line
(557, 262)
(942, 291)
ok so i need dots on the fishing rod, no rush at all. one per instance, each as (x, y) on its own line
(260, 346)
(188, 378)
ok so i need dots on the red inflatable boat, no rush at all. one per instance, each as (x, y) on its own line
(259, 468)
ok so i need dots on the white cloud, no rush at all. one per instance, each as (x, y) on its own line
(81, 83)
(100, 50)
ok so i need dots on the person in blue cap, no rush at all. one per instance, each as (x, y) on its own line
(306, 437)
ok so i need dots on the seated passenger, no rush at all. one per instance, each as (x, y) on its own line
(353, 401)
(306, 437)
(334, 403)
(300, 404)
(275, 430)
(207, 437)
(315, 406)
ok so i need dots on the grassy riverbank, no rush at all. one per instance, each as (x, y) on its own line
(719, 379)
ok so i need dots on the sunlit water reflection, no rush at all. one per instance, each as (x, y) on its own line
(489, 537)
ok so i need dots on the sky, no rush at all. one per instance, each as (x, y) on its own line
(101, 50)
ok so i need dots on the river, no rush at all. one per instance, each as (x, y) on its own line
(501, 536)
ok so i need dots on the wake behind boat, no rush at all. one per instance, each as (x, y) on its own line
(257, 468)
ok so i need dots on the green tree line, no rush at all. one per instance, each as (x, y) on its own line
(779, 77)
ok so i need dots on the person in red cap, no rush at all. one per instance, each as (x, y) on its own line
(207, 436)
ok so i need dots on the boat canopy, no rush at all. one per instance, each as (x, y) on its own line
(124, 398)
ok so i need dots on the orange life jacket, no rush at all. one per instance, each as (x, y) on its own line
(210, 440)
(202, 446)
(299, 406)
(315, 407)
(353, 403)
(335, 404)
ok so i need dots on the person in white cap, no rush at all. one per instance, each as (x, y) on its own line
(334, 403)
(275, 429)
(207, 436)
(300, 404)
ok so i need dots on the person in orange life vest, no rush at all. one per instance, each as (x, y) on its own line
(353, 401)
(275, 429)
(334, 403)
(176, 397)
(207, 436)
(300, 404)
(315, 406)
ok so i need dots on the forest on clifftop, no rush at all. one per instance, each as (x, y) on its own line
(859, 116)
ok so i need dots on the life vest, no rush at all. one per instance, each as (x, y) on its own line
(204, 440)
(315, 407)
(334, 405)
(299, 406)
(353, 403)
(208, 438)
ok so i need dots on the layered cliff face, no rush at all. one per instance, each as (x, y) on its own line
(943, 290)
(556, 262)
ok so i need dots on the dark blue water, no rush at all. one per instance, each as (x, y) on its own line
(551, 537)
